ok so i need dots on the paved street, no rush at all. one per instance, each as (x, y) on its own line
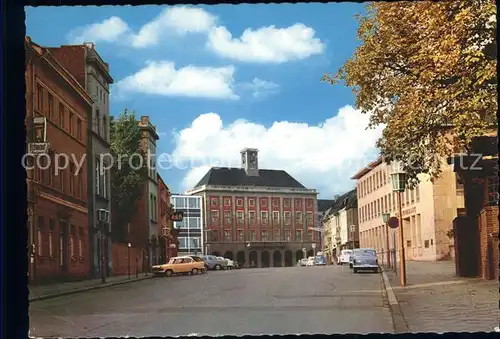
(249, 301)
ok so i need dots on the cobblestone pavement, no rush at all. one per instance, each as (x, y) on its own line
(288, 300)
(435, 300)
(50, 290)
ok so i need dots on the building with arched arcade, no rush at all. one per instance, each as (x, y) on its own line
(258, 217)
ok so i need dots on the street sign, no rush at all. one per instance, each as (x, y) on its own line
(177, 216)
(164, 231)
(313, 246)
(38, 148)
(393, 222)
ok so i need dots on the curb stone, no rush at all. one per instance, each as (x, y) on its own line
(88, 288)
(398, 319)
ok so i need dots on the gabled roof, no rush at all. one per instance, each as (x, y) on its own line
(324, 204)
(237, 177)
(347, 200)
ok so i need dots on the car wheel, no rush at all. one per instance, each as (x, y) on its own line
(205, 270)
(217, 267)
(169, 273)
(355, 271)
(375, 270)
(350, 265)
(194, 271)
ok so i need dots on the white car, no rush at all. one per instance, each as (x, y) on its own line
(230, 263)
(344, 257)
(310, 261)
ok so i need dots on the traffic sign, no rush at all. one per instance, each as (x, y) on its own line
(393, 222)
(177, 216)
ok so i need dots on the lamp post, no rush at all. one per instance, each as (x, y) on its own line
(385, 218)
(129, 245)
(399, 178)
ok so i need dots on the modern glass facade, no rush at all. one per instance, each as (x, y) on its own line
(191, 227)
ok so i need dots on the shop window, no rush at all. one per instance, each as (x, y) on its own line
(492, 190)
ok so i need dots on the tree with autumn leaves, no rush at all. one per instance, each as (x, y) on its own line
(427, 72)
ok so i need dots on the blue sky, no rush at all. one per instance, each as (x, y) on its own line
(216, 79)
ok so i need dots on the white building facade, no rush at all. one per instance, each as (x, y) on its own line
(191, 228)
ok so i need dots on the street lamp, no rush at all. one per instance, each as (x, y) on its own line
(398, 179)
(385, 218)
(129, 245)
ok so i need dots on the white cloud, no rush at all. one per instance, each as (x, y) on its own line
(322, 157)
(266, 44)
(260, 88)
(178, 20)
(108, 30)
(162, 78)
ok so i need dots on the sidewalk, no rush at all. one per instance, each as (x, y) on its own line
(41, 292)
(435, 300)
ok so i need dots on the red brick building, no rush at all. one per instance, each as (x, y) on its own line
(257, 217)
(168, 242)
(57, 204)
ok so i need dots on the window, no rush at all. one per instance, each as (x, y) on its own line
(80, 242)
(70, 121)
(79, 129)
(51, 237)
(287, 235)
(104, 125)
(276, 203)
(276, 217)
(193, 222)
(193, 203)
(352, 228)
(98, 122)
(251, 202)
(61, 116)
(286, 202)
(412, 192)
(72, 241)
(432, 242)
(240, 217)
(180, 203)
(97, 174)
(384, 204)
(263, 217)
(394, 200)
(213, 201)
(263, 202)
(251, 217)
(80, 185)
(252, 235)
(492, 190)
(239, 202)
(71, 178)
(286, 216)
(227, 235)
(227, 202)
(297, 203)
(39, 94)
(309, 218)
(227, 217)
(215, 216)
(408, 243)
(105, 181)
(51, 106)
(276, 234)
(39, 244)
(298, 217)
(310, 235)
(263, 235)
(426, 243)
(309, 203)
(240, 235)
(298, 235)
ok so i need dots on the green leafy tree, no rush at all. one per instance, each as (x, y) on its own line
(427, 72)
(128, 173)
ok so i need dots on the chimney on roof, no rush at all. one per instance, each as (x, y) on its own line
(250, 161)
(89, 45)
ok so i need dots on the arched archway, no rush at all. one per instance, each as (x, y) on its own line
(288, 258)
(277, 259)
(299, 255)
(240, 258)
(264, 259)
(310, 253)
(228, 255)
(252, 260)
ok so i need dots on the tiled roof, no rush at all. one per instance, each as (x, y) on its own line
(347, 200)
(237, 177)
(324, 204)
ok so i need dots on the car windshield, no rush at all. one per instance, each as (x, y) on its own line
(197, 259)
(365, 253)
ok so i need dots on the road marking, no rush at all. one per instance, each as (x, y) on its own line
(390, 292)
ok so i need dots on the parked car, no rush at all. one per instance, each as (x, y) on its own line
(344, 257)
(214, 263)
(302, 262)
(230, 263)
(199, 259)
(310, 261)
(179, 265)
(364, 259)
(320, 260)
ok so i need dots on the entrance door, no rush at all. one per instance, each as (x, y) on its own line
(63, 247)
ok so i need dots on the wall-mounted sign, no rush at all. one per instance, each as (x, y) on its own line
(172, 246)
(177, 216)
